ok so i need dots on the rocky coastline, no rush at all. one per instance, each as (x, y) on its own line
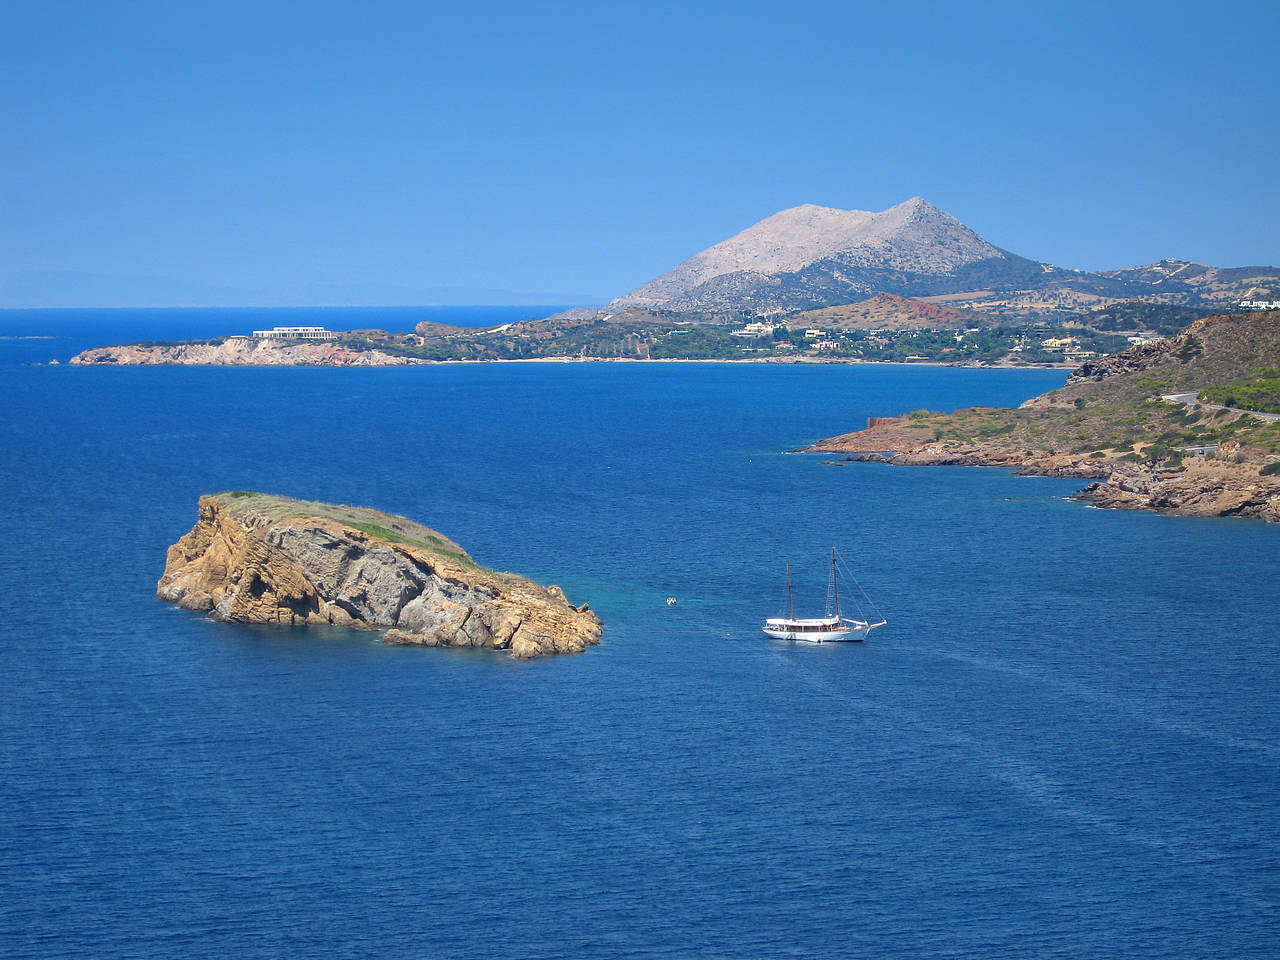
(241, 352)
(1199, 488)
(244, 352)
(1195, 487)
(1130, 421)
(256, 558)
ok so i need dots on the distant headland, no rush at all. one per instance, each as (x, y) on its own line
(1187, 426)
(258, 558)
(909, 284)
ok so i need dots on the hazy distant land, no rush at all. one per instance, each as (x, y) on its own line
(908, 284)
(914, 285)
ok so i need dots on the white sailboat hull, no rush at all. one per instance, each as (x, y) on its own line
(824, 630)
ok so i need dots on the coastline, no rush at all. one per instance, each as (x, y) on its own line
(1197, 486)
(82, 360)
(1130, 421)
(794, 361)
(1201, 487)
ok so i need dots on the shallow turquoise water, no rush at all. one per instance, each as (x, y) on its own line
(1064, 744)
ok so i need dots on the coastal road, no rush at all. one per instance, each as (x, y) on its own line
(1190, 400)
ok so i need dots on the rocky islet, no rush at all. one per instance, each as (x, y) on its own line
(256, 558)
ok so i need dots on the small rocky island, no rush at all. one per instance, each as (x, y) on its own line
(258, 558)
(246, 352)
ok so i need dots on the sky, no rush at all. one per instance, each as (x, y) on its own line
(184, 154)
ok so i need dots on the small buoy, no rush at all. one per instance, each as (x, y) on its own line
(671, 601)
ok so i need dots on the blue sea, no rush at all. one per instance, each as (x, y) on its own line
(1065, 743)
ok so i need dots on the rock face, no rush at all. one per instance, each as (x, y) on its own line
(1199, 488)
(1142, 357)
(1196, 488)
(1023, 462)
(1026, 463)
(253, 558)
(241, 352)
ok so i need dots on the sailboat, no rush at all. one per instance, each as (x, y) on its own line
(832, 626)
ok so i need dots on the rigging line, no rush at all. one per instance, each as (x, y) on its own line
(849, 573)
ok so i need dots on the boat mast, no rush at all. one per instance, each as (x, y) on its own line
(791, 607)
(835, 583)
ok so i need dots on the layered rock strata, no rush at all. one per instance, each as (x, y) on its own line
(253, 558)
(1199, 488)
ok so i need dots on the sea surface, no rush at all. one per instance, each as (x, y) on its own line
(1065, 743)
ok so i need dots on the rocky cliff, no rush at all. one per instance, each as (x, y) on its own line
(1196, 488)
(241, 351)
(255, 558)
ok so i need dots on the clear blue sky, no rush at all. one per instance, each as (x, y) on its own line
(377, 152)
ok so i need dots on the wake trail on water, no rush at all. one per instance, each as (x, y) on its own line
(1123, 704)
(1024, 777)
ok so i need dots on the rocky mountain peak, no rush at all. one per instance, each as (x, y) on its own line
(912, 236)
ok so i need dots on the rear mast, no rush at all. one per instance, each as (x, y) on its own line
(835, 584)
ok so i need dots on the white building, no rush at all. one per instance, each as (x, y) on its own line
(754, 330)
(295, 333)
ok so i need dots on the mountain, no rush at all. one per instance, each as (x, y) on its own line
(1206, 284)
(810, 257)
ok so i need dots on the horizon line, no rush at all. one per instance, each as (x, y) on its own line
(314, 306)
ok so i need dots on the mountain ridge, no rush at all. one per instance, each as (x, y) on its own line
(914, 236)
(811, 256)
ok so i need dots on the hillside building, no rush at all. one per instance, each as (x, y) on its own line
(295, 333)
(754, 330)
